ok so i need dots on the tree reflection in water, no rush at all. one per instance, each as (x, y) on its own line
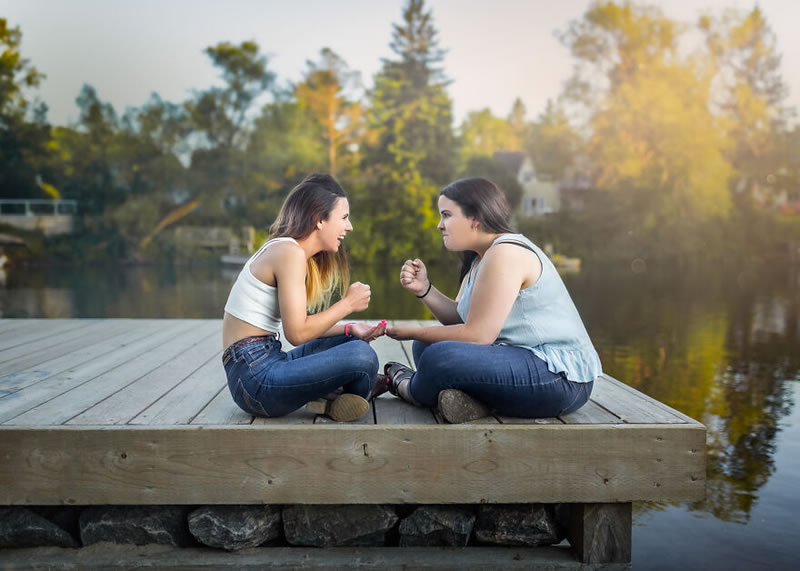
(716, 345)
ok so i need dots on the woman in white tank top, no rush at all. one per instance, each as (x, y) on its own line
(298, 270)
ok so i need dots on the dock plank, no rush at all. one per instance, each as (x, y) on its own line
(300, 416)
(110, 342)
(609, 380)
(15, 358)
(42, 337)
(132, 399)
(15, 404)
(222, 410)
(182, 403)
(392, 410)
(60, 355)
(591, 413)
(519, 420)
(11, 327)
(629, 405)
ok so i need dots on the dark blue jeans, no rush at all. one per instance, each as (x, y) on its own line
(266, 381)
(511, 380)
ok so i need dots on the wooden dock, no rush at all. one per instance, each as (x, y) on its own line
(122, 411)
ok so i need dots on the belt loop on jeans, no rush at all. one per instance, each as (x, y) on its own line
(230, 352)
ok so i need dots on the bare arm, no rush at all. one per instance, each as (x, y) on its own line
(504, 271)
(414, 277)
(289, 266)
(442, 307)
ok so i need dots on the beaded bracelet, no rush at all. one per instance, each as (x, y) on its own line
(427, 291)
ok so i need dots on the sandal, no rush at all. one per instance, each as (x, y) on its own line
(396, 373)
(344, 408)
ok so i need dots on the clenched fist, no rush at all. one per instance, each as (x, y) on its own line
(414, 276)
(357, 296)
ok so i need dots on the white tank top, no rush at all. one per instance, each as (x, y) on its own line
(252, 300)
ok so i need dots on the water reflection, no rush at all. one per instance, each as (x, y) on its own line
(720, 346)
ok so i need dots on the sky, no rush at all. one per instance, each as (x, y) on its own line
(497, 50)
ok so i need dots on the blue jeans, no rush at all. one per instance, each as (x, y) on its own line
(266, 381)
(511, 380)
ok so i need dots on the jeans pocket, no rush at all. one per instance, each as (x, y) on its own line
(259, 358)
(246, 401)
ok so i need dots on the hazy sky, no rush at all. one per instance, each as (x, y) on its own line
(497, 49)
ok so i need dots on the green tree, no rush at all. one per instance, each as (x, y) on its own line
(482, 133)
(654, 144)
(219, 122)
(324, 93)
(285, 145)
(16, 74)
(750, 92)
(89, 150)
(552, 143)
(412, 146)
(147, 168)
(23, 130)
(221, 113)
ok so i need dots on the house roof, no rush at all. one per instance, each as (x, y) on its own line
(513, 160)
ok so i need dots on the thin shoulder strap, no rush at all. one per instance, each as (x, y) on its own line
(268, 243)
(516, 242)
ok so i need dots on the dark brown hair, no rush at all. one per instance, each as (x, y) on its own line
(482, 200)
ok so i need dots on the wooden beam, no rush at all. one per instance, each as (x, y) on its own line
(601, 533)
(361, 464)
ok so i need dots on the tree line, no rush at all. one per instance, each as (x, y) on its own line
(677, 152)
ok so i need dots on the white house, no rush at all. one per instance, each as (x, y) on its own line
(540, 194)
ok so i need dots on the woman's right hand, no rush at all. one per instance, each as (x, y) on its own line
(357, 296)
(414, 276)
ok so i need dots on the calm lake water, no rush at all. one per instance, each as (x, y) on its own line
(722, 346)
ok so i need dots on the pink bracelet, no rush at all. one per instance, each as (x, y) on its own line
(346, 325)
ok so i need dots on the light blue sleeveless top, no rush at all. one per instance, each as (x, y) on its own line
(544, 320)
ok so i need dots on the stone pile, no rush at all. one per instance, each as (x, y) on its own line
(238, 527)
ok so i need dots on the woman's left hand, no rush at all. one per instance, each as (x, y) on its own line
(402, 333)
(367, 332)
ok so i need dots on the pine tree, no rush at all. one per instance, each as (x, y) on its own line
(413, 147)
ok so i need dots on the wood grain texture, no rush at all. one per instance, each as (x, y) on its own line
(351, 464)
(601, 533)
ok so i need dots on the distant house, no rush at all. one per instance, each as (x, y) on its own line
(540, 194)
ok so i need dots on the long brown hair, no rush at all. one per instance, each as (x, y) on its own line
(482, 200)
(307, 203)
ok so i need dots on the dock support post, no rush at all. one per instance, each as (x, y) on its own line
(601, 533)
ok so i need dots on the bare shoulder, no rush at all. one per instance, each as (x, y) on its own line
(510, 253)
(512, 259)
(277, 258)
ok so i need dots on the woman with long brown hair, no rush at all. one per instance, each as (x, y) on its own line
(512, 341)
(289, 282)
